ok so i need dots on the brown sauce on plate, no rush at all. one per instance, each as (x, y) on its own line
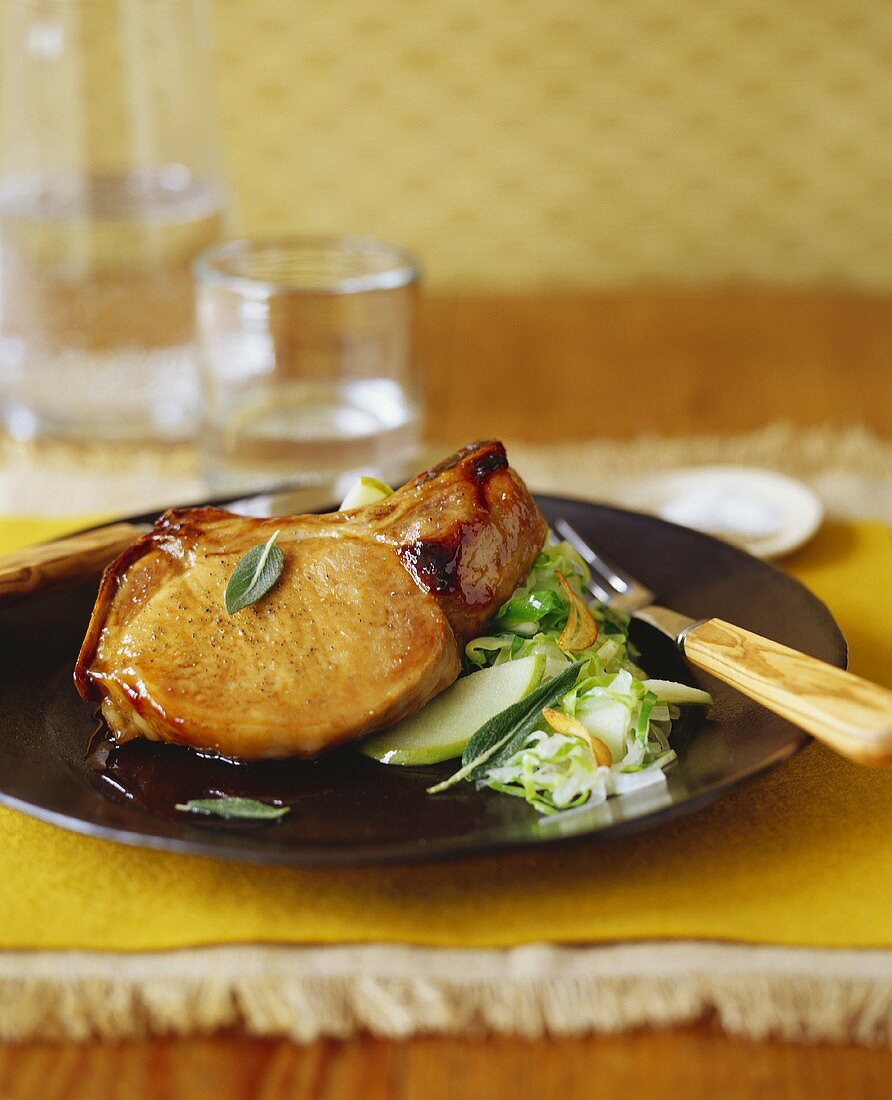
(157, 777)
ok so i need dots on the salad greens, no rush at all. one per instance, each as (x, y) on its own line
(601, 686)
(501, 736)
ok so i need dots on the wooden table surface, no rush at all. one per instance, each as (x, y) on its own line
(547, 367)
(540, 367)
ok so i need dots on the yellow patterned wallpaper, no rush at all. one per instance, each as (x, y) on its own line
(584, 142)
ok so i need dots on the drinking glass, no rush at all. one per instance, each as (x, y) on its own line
(109, 187)
(308, 365)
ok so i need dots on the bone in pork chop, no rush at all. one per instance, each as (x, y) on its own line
(365, 626)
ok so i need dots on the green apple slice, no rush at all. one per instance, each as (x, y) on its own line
(441, 730)
(668, 691)
(368, 490)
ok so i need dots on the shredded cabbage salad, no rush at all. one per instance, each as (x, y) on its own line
(612, 701)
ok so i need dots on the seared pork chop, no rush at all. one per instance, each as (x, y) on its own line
(366, 624)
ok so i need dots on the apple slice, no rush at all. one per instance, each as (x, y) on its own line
(667, 691)
(367, 490)
(441, 730)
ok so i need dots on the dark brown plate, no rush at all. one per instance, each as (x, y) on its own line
(347, 809)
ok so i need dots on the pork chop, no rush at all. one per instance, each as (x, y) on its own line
(366, 624)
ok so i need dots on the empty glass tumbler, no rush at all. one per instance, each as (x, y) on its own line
(308, 360)
(109, 187)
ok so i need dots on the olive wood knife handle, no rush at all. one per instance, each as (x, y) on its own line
(63, 561)
(851, 715)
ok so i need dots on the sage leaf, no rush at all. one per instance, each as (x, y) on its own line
(232, 808)
(502, 735)
(254, 575)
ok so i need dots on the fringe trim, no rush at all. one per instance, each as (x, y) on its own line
(70, 480)
(395, 991)
(849, 468)
(805, 452)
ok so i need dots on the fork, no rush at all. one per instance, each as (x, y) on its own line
(851, 715)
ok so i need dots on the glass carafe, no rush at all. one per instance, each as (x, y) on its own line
(109, 186)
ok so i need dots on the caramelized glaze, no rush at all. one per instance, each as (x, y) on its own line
(366, 624)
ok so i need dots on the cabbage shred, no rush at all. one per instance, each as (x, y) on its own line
(555, 771)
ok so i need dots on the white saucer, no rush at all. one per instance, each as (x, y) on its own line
(763, 512)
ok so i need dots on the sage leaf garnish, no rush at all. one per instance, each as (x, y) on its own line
(231, 808)
(254, 575)
(504, 734)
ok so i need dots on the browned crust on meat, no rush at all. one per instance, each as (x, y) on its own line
(107, 586)
(469, 578)
(174, 523)
(473, 461)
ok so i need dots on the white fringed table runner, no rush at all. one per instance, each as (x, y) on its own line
(851, 468)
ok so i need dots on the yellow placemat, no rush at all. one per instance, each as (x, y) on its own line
(802, 857)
